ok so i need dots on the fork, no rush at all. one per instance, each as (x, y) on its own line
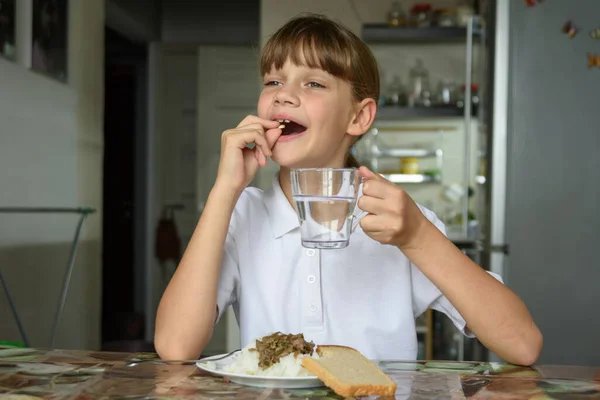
(154, 361)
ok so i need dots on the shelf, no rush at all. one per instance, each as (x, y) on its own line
(382, 33)
(405, 153)
(392, 113)
(412, 178)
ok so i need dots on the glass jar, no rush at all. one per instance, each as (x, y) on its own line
(396, 15)
(396, 94)
(446, 18)
(421, 15)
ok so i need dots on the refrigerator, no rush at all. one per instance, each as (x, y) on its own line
(538, 183)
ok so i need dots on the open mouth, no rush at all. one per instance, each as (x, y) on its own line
(290, 127)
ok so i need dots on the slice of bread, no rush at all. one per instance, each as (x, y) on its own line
(349, 373)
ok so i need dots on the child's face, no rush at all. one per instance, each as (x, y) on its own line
(322, 107)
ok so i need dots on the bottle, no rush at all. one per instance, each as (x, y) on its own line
(395, 93)
(419, 85)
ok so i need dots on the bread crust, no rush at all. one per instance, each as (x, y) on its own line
(340, 388)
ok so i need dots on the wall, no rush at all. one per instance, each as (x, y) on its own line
(51, 143)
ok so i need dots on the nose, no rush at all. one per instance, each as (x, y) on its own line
(286, 96)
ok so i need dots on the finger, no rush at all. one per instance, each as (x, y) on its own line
(367, 174)
(377, 188)
(372, 223)
(262, 159)
(253, 119)
(272, 135)
(243, 138)
(260, 156)
(276, 132)
(373, 205)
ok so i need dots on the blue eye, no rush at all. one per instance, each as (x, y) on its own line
(314, 85)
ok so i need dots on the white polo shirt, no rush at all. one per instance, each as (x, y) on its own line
(365, 296)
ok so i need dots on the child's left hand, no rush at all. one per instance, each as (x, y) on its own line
(394, 218)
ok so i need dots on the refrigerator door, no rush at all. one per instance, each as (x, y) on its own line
(552, 184)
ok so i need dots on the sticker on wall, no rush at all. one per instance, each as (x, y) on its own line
(533, 3)
(570, 29)
(595, 34)
(593, 60)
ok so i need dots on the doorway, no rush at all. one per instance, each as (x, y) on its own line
(123, 220)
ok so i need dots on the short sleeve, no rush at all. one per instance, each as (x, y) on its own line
(426, 295)
(229, 277)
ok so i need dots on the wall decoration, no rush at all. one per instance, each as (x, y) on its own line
(7, 28)
(50, 38)
(595, 34)
(593, 60)
(570, 29)
(533, 3)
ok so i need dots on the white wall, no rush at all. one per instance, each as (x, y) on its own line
(51, 146)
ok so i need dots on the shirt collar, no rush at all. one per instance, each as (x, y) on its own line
(282, 216)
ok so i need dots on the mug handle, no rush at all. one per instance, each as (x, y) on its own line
(356, 218)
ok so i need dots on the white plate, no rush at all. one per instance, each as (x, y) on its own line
(278, 382)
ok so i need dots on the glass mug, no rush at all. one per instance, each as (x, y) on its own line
(325, 199)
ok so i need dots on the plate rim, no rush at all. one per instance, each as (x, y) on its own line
(252, 377)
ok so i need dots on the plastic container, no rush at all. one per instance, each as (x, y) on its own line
(419, 92)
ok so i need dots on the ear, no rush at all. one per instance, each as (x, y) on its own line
(363, 117)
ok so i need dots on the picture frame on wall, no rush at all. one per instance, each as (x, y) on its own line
(7, 28)
(49, 47)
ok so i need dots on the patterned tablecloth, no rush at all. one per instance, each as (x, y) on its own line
(61, 374)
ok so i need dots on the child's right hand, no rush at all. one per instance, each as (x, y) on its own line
(239, 163)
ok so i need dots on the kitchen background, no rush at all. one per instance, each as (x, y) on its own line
(134, 132)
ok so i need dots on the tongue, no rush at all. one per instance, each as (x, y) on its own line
(292, 128)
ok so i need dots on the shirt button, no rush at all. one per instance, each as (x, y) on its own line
(313, 308)
(311, 279)
(310, 252)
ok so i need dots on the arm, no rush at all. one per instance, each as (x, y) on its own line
(494, 313)
(187, 311)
